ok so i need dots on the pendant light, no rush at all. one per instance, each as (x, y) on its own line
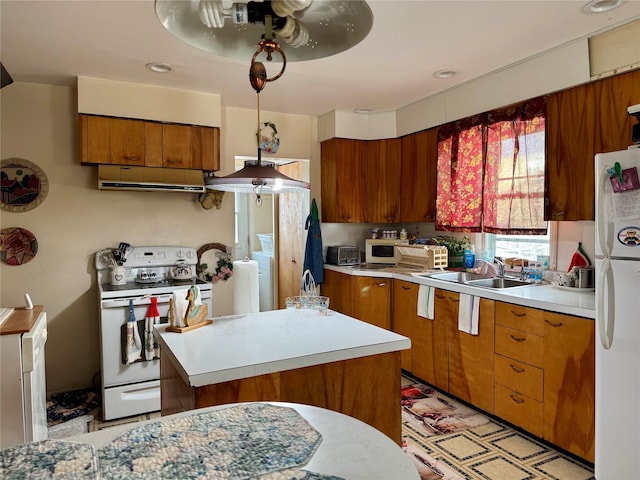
(257, 176)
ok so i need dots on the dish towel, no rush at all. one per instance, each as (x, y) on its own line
(425, 301)
(134, 345)
(468, 313)
(151, 347)
(180, 305)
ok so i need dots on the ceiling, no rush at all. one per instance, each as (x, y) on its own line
(55, 41)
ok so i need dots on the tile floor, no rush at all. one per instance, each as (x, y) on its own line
(494, 451)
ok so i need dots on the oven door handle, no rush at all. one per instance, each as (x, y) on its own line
(141, 300)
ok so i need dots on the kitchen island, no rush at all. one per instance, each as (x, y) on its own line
(333, 361)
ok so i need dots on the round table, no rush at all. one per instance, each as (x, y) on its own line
(349, 449)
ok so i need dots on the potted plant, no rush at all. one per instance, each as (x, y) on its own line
(455, 249)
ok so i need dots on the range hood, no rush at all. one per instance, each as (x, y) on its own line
(120, 177)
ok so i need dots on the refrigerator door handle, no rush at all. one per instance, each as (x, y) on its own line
(601, 221)
(606, 292)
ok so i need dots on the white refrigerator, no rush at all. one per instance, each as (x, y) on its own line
(617, 261)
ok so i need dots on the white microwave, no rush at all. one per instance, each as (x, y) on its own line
(381, 250)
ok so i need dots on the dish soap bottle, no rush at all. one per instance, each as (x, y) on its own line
(469, 257)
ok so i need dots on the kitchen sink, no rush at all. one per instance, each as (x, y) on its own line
(499, 283)
(459, 277)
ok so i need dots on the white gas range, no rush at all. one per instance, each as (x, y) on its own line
(134, 388)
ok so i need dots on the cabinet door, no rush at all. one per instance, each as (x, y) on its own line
(372, 300)
(445, 319)
(582, 122)
(405, 308)
(418, 168)
(569, 384)
(342, 181)
(107, 140)
(471, 361)
(337, 286)
(614, 125)
(382, 185)
(570, 132)
(192, 147)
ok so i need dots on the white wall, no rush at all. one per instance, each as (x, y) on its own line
(39, 123)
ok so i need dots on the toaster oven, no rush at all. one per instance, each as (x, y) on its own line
(343, 255)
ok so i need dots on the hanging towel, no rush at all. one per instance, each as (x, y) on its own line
(151, 347)
(134, 345)
(468, 313)
(180, 304)
(313, 260)
(425, 301)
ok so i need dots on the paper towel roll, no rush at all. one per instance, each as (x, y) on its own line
(246, 298)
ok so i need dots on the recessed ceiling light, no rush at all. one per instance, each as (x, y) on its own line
(445, 74)
(600, 6)
(362, 110)
(159, 67)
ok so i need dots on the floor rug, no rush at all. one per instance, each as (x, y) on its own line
(62, 407)
(435, 413)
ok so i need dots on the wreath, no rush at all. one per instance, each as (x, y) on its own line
(224, 265)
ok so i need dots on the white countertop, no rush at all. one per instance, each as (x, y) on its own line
(350, 449)
(243, 346)
(544, 297)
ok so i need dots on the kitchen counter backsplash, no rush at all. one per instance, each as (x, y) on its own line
(545, 296)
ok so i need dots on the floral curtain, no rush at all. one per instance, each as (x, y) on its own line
(460, 166)
(513, 200)
(491, 172)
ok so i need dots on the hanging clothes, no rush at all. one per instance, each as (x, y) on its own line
(313, 260)
(151, 347)
(134, 345)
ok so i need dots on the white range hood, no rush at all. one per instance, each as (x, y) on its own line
(120, 177)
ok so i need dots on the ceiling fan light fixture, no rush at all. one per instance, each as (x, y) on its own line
(601, 6)
(314, 29)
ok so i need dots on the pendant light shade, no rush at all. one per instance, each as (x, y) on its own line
(256, 178)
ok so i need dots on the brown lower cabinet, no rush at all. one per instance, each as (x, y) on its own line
(532, 368)
(365, 298)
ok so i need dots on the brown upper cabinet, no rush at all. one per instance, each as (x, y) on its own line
(582, 122)
(379, 181)
(343, 182)
(118, 141)
(382, 181)
(418, 172)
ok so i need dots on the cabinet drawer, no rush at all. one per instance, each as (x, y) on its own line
(519, 376)
(520, 345)
(522, 318)
(518, 409)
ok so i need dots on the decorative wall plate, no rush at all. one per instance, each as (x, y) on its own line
(17, 246)
(268, 138)
(24, 185)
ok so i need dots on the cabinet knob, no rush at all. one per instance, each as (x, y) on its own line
(404, 287)
(518, 339)
(381, 284)
(293, 260)
(519, 315)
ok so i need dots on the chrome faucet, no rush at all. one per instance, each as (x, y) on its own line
(500, 263)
